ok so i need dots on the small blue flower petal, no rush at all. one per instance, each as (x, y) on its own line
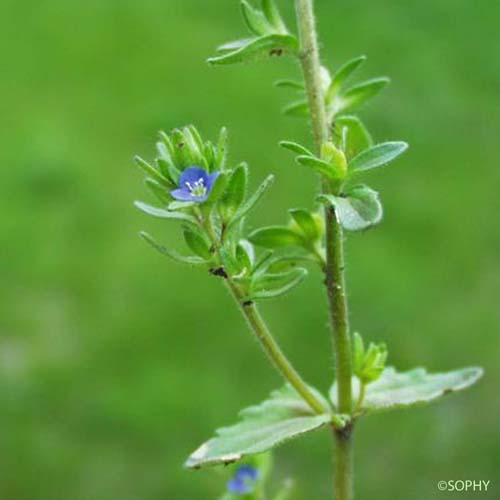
(247, 471)
(182, 195)
(211, 180)
(239, 486)
(244, 480)
(195, 185)
(191, 175)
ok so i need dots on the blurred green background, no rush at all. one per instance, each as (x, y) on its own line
(115, 364)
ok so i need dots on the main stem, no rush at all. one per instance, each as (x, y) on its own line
(334, 271)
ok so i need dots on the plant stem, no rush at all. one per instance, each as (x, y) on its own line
(262, 333)
(361, 398)
(334, 271)
(343, 477)
(272, 349)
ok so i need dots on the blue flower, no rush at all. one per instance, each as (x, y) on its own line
(244, 480)
(194, 185)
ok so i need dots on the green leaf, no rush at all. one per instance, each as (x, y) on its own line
(197, 243)
(255, 20)
(152, 172)
(158, 191)
(183, 156)
(180, 205)
(168, 171)
(229, 262)
(197, 137)
(358, 348)
(245, 255)
(210, 153)
(220, 157)
(336, 158)
(296, 148)
(361, 93)
(275, 237)
(289, 84)
(320, 166)
(377, 156)
(299, 109)
(218, 189)
(235, 44)
(166, 161)
(251, 202)
(305, 221)
(162, 213)
(270, 286)
(235, 191)
(395, 390)
(273, 262)
(359, 209)
(342, 75)
(357, 138)
(259, 48)
(168, 144)
(273, 16)
(373, 363)
(194, 147)
(194, 261)
(282, 417)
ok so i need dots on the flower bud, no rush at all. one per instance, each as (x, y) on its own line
(331, 154)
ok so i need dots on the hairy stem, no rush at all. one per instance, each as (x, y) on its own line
(343, 478)
(262, 333)
(272, 349)
(334, 270)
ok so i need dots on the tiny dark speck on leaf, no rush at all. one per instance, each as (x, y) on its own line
(220, 272)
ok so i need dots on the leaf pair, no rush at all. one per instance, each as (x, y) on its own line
(270, 36)
(331, 165)
(358, 207)
(304, 232)
(285, 416)
(335, 164)
(340, 100)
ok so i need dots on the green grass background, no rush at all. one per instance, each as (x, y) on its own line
(115, 364)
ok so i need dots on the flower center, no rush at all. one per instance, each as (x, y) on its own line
(197, 188)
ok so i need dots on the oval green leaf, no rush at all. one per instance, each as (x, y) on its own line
(394, 390)
(282, 417)
(377, 156)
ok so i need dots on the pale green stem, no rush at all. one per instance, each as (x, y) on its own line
(263, 334)
(361, 398)
(334, 272)
(272, 349)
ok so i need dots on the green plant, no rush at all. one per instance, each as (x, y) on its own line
(196, 187)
